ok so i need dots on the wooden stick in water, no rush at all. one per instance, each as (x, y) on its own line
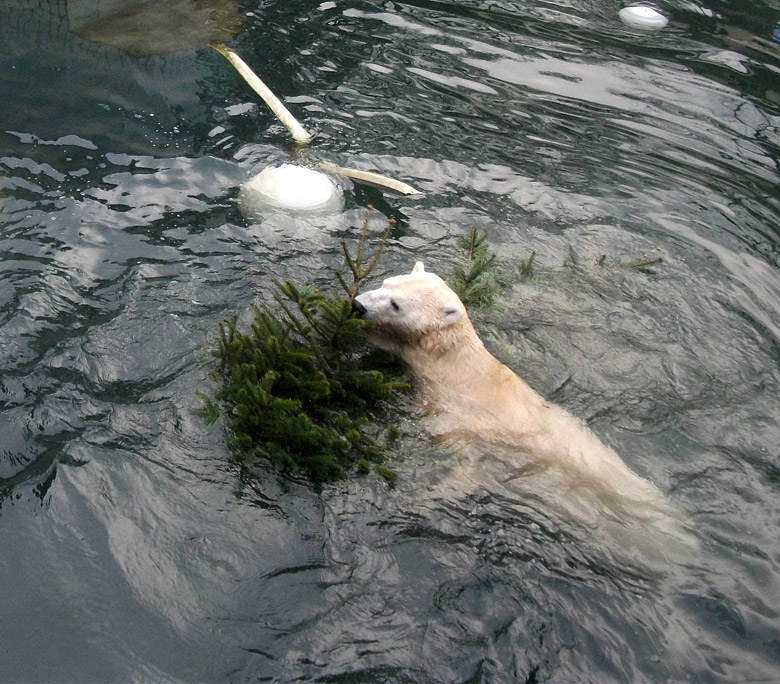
(298, 132)
(370, 178)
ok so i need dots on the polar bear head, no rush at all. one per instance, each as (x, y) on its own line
(410, 310)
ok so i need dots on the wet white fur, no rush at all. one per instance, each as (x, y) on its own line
(469, 393)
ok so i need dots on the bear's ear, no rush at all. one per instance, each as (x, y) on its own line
(419, 267)
(452, 314)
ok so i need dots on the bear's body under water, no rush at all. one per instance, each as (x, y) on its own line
(474, 398)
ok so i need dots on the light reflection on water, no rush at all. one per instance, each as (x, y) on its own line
(129, 548)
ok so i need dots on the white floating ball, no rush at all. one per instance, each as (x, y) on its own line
(642, 16)
(292, 189)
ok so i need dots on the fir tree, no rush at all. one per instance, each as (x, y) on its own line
(480, 279)
(295, 389)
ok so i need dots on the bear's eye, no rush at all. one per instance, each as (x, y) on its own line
(394, 305)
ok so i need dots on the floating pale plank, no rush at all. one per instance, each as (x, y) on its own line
(298, 132)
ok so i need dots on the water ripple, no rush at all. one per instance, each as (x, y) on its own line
(641, 170)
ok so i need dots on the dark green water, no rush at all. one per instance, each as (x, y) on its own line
(129, 550)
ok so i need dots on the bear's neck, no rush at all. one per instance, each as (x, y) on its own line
(451, 354)
(459, 377)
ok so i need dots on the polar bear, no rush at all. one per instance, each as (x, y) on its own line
(470, 394)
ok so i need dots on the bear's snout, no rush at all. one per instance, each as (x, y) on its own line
(358, 308)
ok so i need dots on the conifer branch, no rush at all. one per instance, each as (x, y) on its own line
(480, 279)
(294, 390)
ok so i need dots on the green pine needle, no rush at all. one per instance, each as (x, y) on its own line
(294, 388)
(480, 279)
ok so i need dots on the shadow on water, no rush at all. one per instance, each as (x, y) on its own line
(129, 548)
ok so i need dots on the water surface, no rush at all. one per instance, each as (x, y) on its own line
(130, 550)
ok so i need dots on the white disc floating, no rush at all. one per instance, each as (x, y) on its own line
(292, 189)
(643, 16)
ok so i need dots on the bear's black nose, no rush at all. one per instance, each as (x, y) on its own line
(358, 308)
